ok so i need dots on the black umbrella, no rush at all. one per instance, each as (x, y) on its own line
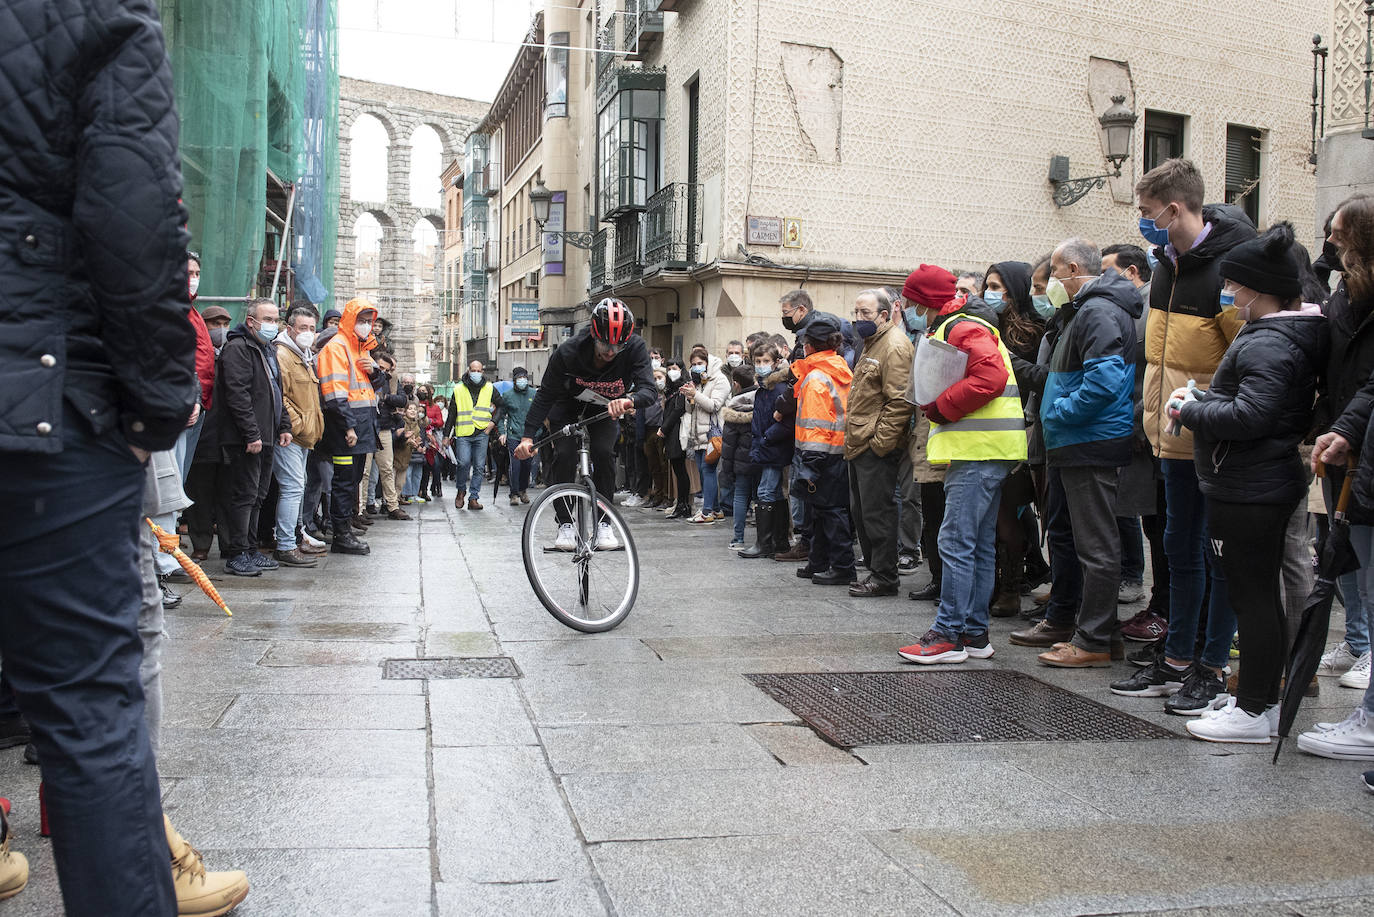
(1336, 560)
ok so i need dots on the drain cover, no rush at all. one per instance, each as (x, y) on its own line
(452, 667)
(851, 709)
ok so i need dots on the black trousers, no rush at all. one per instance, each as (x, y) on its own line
(832, 545)
(250, 477)
(343, 491)
(207, 486)
(603, 435)
(1250, 539)
(872, 484)
(682, 482)
(69, 572)
(1159, 561)
(932, 517)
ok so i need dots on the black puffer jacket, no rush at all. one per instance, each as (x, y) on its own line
(1247, 427)
(248, 393)
(93, 293)
(737, 437)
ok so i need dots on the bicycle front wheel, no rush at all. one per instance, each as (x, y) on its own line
(580, 558)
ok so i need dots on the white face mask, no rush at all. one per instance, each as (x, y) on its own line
(674, 374)
(661, 384)
(655, 364)
(194, 285)
(735, 359)
(305, 339)
(362, 329)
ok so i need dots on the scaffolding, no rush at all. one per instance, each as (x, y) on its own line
(257, 85)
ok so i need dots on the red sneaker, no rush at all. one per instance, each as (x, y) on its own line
(934, 648)
(1145, 627)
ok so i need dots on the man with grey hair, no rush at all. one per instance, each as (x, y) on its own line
(877, 418)
(1087, 416)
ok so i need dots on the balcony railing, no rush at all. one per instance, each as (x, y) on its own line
(490, 180)
(672, 227)
(605, 43)
(598, 262)
(629, 261)
(493, 254)
(643, 26)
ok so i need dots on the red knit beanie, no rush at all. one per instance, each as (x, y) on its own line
(930, 286)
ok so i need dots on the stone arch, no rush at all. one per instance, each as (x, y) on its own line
(426, 162)
(355, 111)
(369, 245)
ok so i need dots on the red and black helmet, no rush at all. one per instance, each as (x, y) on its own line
(612, 322)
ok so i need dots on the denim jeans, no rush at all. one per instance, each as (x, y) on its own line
(725, 495)
(412, 485)
(470, 454)
(709, 490)
(770, 483)
(1132, 549)
(1353, 598)
(1190, 560)
(288, 463)
(72, 654)
(519, 474)
(968, 546)
(744, 492)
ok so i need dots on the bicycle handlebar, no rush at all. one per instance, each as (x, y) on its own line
(569, 429)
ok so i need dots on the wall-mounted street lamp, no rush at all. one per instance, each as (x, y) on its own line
(1118, 123)
(540, 200)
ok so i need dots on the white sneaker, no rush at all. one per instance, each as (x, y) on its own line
(605, 538)
(1327, 727)
(1351, 740)
(1358, 675)
(737, 546)
(1130, 593)
(312, 542)
(567, 538)
(633, 500)
(703, 519)
(1337, 660)
(1230, 723)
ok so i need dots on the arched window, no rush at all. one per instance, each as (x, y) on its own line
(367, 233)
(368, 143)
(426, 163)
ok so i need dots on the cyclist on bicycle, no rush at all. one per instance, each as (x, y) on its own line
(603, 368)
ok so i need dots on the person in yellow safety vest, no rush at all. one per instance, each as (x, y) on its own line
(345, 368)
(822, 391)
(469, 423)
(978, 430)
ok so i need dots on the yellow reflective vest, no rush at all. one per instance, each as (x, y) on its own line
(471, 418)
(994, 432)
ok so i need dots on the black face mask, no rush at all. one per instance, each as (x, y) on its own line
(408, 389)
(1332, 256)
(789, 323)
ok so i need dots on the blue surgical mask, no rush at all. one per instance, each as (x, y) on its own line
(476, 378)
(915, 321)
(763, 369)
(522, 384)
(1228, 298)
(1152, 233)
(268, 331)
(698, 369)
(994, 298)
(1150, 257)
(1043, 307)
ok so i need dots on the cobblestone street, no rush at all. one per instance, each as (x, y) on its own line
(638, 772)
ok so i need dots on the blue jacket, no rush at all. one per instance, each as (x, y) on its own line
(1088, 412)
(773, 442)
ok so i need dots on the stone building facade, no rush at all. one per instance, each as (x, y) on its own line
(416, 318)
(881, 135)
(1345, 157)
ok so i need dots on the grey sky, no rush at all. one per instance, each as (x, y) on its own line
(456, 47)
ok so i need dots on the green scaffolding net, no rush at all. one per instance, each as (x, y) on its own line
(257, 85)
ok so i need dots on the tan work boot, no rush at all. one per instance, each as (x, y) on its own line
(14, 866)
(201, 893)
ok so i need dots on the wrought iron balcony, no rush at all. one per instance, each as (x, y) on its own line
(597, 279)
(629, 262)
(672, 227)
(605, 43)
(643, 26)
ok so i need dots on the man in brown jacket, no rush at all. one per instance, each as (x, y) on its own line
(875, 437)
(301, 392)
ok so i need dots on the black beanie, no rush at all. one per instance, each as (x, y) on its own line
(1267, 264)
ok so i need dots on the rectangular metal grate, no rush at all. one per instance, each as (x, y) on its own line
(452, 667)
(850, 709)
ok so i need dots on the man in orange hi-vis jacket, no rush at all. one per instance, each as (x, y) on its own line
(345, 369)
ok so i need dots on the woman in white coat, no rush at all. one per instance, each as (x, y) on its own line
(706, 394)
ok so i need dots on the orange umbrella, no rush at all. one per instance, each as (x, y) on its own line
(171, 544)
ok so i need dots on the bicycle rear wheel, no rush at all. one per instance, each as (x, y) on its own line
(587, 574)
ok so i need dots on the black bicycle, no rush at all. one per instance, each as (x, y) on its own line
(579, 554)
